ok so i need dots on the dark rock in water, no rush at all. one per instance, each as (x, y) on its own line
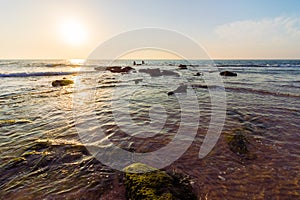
(171, 93)
(118, 69)
(157, 72)
(62, 82)
(198, 74)
(238, 143)
(205, 86)
(134, 63)
(228, 73)
(152, 72)
(143, 62)
(180, 89)
(200, 86)
(169, 73)
(182, 66)
(145, 182)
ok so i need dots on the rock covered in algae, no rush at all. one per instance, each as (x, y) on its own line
(62, 82)
(145, 182)
(238, 143)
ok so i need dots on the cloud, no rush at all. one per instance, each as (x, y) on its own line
(279, 29)
(266, 38)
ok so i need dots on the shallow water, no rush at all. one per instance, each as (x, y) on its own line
(42, 156)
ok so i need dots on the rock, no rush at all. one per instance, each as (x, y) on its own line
(152, 72)
(157, 72)
(200, 86)
(62, 82)
(228, 73)
(118, 69)
(198, 74)
(169, 73)
(238, 143)
(171, 93)
(134, 63)
(145, 182)
(180, 89)
(182, 66)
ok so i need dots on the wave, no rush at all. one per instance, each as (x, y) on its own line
(261, 92)
(37, 74)
(258, 65)
(8, 62)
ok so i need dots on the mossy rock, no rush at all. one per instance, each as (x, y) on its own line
(238, 143)
(63, 82)
(145, 182)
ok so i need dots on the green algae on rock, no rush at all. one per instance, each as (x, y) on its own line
(145, 182)
(238, 143)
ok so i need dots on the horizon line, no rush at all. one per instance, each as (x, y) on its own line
(151, 59)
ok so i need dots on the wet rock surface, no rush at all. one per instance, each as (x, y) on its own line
(62, 82)
(180, 89)
(157, 72)
(118, 69)
(145, 182)
(181, 66)
(228, 73)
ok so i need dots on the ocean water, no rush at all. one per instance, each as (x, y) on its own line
(42, 155)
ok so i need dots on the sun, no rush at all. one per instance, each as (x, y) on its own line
(73, 32)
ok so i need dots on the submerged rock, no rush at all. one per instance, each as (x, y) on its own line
(238, 143)
(145, 182)
(169, 73)
(152, 72)
(63, 82)
(228, 73)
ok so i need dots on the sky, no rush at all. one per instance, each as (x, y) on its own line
(226, 29)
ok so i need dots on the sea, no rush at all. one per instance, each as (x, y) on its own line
(48, 134)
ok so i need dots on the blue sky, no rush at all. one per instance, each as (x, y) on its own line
(225, 28)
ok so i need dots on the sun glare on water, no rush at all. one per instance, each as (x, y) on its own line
(73, 32)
